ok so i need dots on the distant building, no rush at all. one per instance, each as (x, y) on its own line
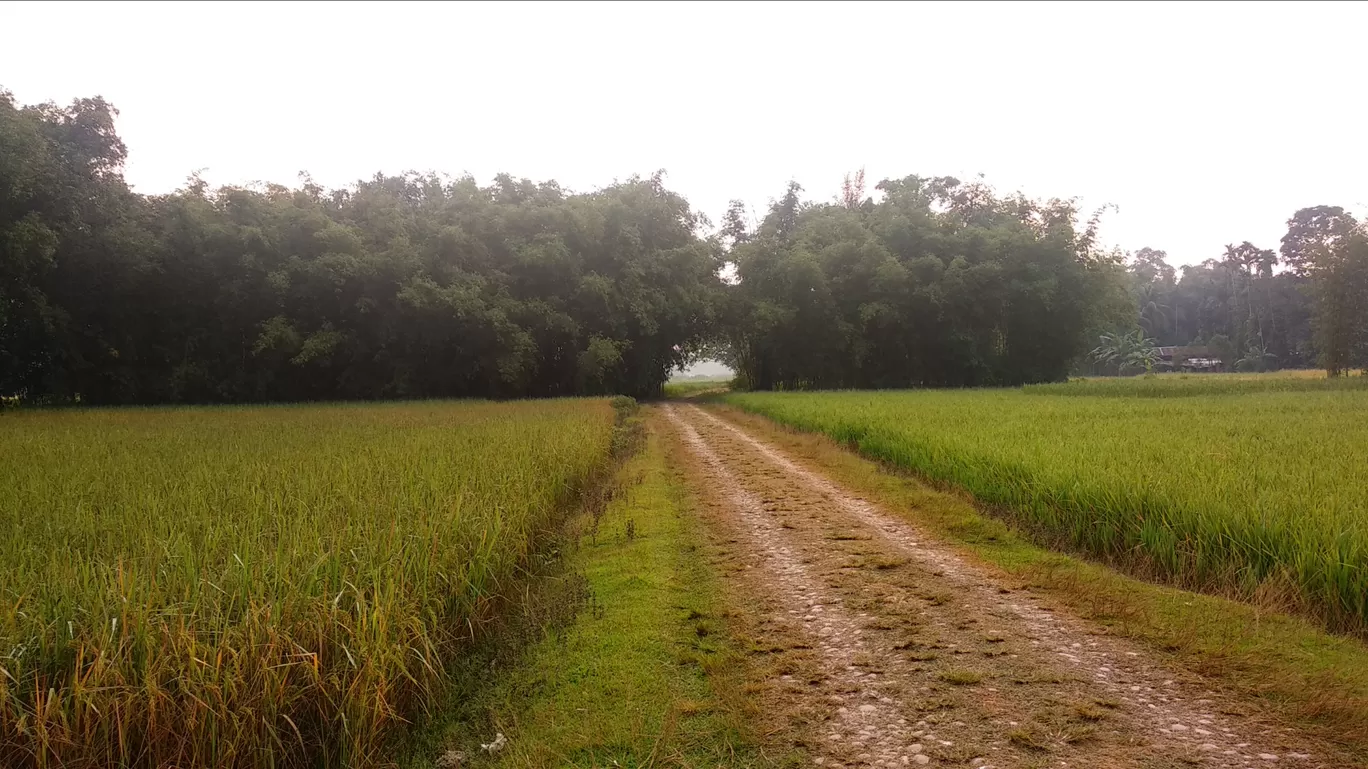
(1190, 358)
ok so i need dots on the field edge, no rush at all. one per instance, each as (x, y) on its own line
(619, 654)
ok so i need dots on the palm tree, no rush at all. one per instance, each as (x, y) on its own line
(1154, 315)
(1253, 265)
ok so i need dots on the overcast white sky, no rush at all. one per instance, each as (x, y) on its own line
(1205, 123)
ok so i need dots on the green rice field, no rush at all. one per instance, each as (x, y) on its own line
(261, 586)
(1183, 385)
(1247, 486)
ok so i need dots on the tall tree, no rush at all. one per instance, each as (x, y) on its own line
(66, 242)
(1327, 245)
(1248, 266)
(853, 189)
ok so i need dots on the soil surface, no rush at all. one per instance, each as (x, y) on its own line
(890, 649)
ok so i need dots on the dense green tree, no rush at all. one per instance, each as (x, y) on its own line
(1261, 314)
(1297, 307)
(1305, 304)
(942, 283)
(1151, 268)
(1330, 249)
(426, 286)
(68, 243)
(408, 286)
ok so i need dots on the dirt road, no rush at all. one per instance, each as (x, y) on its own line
(892, 650)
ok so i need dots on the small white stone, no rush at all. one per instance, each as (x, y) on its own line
(1268, 757)
(916, 748)
(1178, 728)
(921, 758)
(867, 708)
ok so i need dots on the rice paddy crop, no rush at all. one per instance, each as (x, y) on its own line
(1255, 494)
(265, 586)
(1184, 385)
(685, 388)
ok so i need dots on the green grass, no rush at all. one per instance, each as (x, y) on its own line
(1258, 495)
(639, 675)
(959, 677)
(1288, 667)
(1186, 385)
(261, 586)
(684, 388)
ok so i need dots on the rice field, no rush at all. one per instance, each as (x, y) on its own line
(1216, 484)
(1183, 385)
(684, 388)
(261, 586)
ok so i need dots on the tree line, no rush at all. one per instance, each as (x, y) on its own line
(939, 284)
(1300, 306)
(423, 286)
(400, 286)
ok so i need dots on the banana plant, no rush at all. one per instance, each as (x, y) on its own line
(1127, 350)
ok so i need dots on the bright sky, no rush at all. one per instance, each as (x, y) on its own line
(1204, 123)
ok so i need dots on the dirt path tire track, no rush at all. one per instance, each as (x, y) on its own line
(925, 658)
